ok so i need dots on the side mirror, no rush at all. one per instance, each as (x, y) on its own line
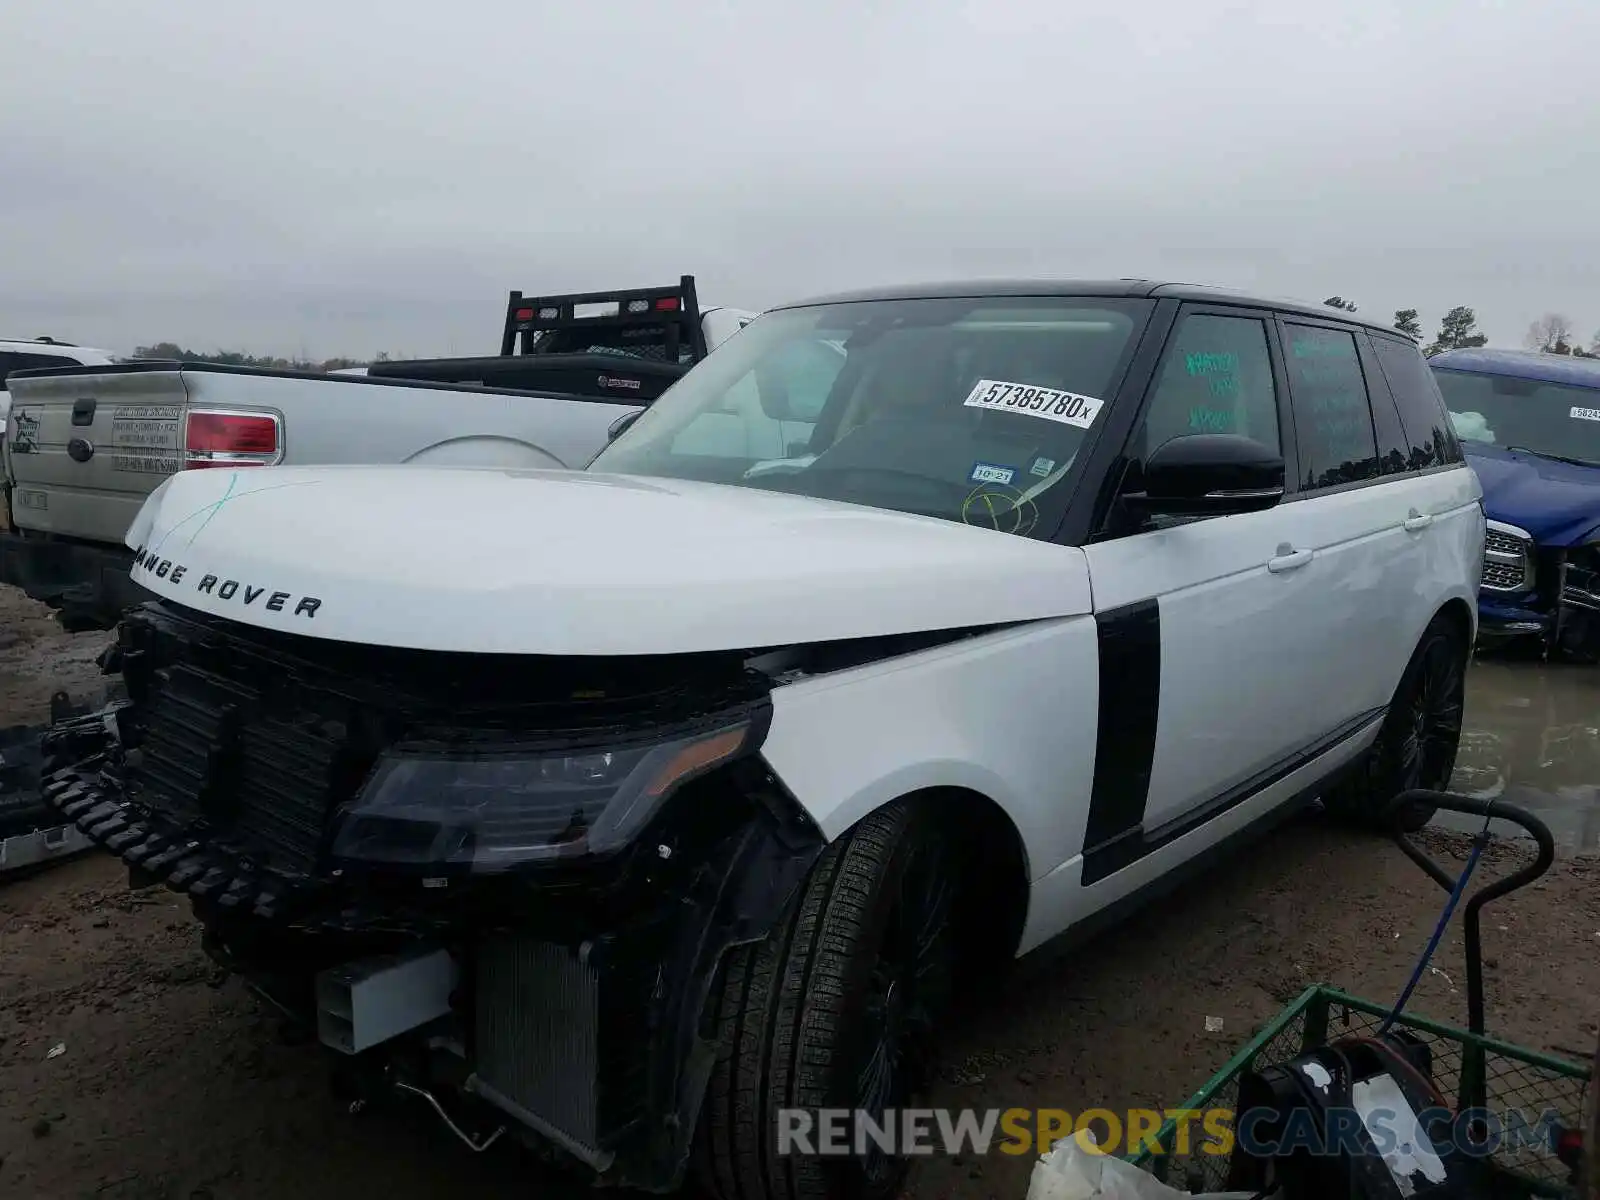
(622, 424)
(1209, 474)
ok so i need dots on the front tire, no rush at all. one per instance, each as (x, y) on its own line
(1416, 748)
(833, 1010)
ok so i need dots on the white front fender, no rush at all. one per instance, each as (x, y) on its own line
(1011, 715)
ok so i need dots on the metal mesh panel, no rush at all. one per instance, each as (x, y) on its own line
(1526, 1084)
(1495, 540)
(1502, 576)
(1202, 1166)
(538, 1033)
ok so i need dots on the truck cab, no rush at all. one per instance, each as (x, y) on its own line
(19, 355)
(1529, 423)
(25, 355)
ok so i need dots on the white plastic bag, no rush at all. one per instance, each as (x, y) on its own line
(1074, 1170)
(1472, 427)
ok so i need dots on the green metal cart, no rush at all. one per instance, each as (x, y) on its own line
(1536, 1156)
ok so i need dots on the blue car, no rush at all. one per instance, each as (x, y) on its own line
(1530, 426)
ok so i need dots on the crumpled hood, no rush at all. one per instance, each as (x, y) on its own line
(1556, 502)
(575, 563)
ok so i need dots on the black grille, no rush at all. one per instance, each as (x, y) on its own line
(217, 750)
(245, 742)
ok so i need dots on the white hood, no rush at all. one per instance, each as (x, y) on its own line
(575, 563)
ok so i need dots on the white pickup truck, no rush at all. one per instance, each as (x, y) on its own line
(86, 445)
(20, 355)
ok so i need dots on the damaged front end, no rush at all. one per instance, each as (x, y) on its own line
(1544, 592)
(501, 883)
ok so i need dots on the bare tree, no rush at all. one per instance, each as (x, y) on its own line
(1551, 333)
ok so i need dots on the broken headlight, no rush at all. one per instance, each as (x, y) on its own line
(495, 809)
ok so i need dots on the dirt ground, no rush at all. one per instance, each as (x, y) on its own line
(173, 1084)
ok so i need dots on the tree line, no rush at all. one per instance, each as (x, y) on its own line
(235, 358)
(1458, 329)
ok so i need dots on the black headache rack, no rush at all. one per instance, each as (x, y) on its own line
(639, 344)
(659, 323)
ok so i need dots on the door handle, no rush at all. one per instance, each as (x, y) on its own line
(1416, 521)
(1287, 559)
(83, 411)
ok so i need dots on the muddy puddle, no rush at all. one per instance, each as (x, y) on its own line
(1532, 737)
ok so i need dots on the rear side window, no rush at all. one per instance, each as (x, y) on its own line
(1394, 448)
(1432, 442)
(1332, 415)
(17, 360)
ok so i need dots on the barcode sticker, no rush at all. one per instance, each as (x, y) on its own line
(1069, 408)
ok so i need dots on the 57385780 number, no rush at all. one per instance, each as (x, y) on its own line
(1052, 404)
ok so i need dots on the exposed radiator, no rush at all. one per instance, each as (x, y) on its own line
(553, 1040)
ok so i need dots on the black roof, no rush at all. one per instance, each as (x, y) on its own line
(1143, 289)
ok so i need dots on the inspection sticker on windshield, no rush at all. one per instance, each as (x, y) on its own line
(1585, 414)
(992, 473)
(1050, 403)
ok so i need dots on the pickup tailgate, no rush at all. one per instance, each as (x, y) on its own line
(85, 447)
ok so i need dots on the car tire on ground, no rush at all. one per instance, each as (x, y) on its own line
(834, 1009)
(25, 814)
(1417, 745)
(22, 808)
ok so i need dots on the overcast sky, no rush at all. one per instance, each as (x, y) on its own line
(339, 178)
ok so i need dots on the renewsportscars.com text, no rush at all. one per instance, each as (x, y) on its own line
(1211, 1131)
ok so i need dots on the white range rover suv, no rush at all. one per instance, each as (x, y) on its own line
(625, 808)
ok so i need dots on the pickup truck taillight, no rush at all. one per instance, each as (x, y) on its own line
(226, 438)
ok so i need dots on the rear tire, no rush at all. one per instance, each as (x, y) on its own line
(834, 1009)
(1417, 745)
(26, 814)
(22, 807)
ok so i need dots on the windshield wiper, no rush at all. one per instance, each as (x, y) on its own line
(1575, 462)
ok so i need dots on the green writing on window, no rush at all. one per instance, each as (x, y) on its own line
(1337, 346)
(1328, 376)
(1340, 401)
(1339, 430)
(1211, 363)
(1210, 420)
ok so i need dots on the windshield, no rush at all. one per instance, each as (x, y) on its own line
(971, 410)
(1556, 420)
